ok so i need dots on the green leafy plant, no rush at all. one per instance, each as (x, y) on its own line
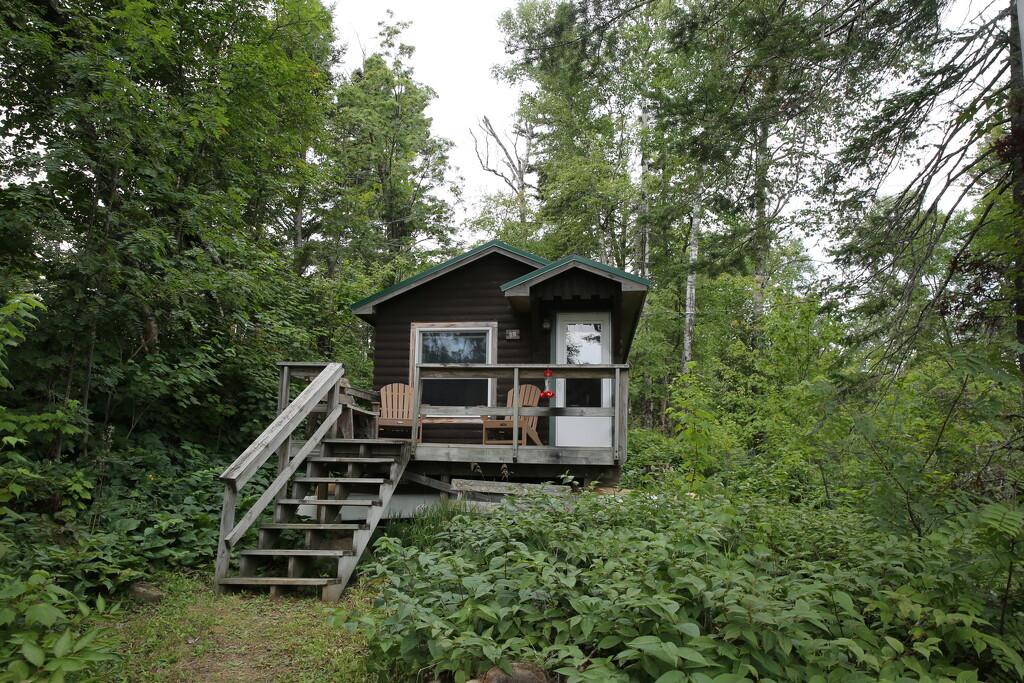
(47, 633)
(681, 584)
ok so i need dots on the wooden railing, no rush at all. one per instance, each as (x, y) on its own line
(533, 373)
(326, 392)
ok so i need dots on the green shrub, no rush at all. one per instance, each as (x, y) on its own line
(650, 454)
(667, 586)
(419, 530)
(45, 632)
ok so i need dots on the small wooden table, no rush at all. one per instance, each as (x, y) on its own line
(448, 420)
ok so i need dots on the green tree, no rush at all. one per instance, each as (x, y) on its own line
(586, 125)
(969, 155)
(384, 171)
(147, 155)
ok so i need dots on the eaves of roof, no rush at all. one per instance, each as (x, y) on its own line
(609, 270)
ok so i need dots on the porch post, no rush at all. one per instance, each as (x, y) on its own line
(227, 523)
(418, 393)
(621, 428)
(283, 399)
(617, 404)
(515, 414)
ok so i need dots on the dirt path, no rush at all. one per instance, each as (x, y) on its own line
(195, 634)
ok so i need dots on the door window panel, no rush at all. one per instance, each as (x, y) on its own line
(582, 343)
(583, 347)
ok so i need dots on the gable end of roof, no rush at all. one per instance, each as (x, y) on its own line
(364, 307)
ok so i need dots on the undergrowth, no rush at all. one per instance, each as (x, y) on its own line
(421, 529)
(669, 586)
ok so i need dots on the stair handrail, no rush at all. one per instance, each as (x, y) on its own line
(267, 443)
(270, 494)
(322, 386)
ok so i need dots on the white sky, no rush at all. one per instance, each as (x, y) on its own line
(457, 43)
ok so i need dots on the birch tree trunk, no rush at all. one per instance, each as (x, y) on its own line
(643, 252)
(691, 278)
(761, 239)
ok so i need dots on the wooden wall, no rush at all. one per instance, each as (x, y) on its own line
(471, 293)
(575, 286)
(576, 291)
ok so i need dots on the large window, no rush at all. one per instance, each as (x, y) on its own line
(454, 343)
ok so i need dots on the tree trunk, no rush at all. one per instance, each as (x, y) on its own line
(643, 251)
(761, 239)
(521, 167)
(1016, 116)
(691, 278)
(87, 384)
(298, 220)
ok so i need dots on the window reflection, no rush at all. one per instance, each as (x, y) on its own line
(454, 346)
(582, 347)
(582, 343)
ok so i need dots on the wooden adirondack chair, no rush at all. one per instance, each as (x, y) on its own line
(396, 407)
(529, 396)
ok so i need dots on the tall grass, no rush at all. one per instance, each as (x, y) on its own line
(421, 530)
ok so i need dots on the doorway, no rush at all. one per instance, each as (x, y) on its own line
(583, 339)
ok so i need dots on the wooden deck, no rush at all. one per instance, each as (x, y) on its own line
(502, 454)
(538, 455)
(616, 374)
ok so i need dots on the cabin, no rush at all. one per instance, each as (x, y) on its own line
(496, 366)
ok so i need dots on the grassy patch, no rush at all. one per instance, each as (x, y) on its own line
(197, 634)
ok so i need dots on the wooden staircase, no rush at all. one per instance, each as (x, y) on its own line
(328, 497)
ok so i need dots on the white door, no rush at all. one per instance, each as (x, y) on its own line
(583, 339)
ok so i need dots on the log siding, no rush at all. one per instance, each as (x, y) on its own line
(470, 294)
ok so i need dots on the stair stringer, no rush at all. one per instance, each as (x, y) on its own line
(361, 537)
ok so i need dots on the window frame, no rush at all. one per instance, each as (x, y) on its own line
(490, 327)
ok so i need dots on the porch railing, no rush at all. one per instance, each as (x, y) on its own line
(530, 373)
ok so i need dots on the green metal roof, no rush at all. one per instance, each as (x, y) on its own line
(467, 256)
(580, 259)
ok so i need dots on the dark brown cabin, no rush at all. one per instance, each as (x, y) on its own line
(501, 309)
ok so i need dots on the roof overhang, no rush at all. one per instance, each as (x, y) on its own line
(367, 308)
(632, 291)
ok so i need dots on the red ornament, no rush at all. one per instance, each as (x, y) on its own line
(548, 373)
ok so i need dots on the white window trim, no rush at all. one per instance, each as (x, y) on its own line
(491, 327)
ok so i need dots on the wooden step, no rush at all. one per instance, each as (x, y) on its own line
(292, 552)
(341, 480)
(328, 501)
(278, 581)
(387, 460)
(314, 526)
(368, 442)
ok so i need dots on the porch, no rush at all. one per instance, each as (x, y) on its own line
(513, 376)
(503, 377)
